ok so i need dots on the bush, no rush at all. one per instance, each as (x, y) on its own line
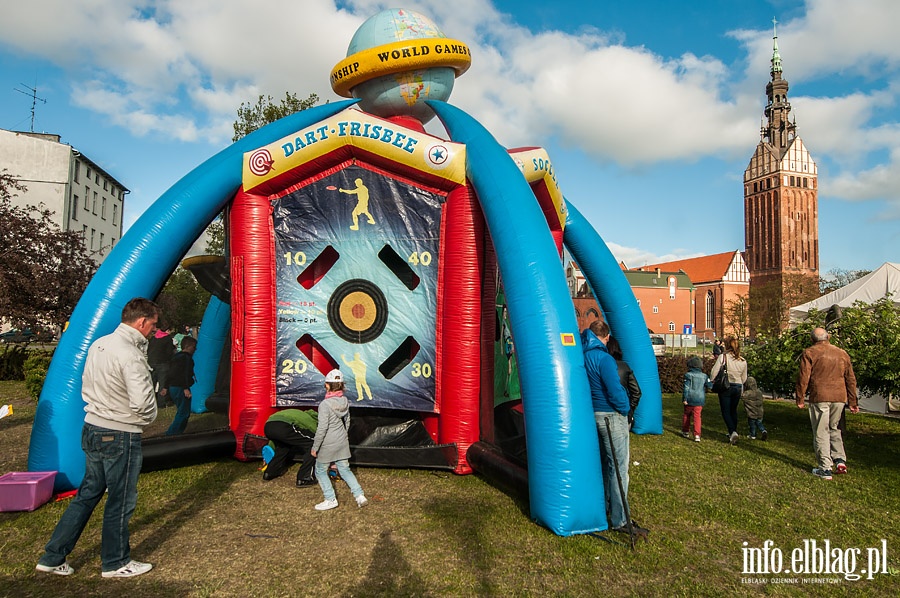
(672, 369)
(35, 370)
(12, 360)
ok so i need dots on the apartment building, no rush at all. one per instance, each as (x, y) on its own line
(82, 196)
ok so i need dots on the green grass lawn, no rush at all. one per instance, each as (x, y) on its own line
(217, 529)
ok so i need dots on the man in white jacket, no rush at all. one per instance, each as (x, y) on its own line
(120, 402)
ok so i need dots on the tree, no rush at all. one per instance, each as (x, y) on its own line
(869, 333)
(838, 277)
(254, 116)
(45, 269)
(182, 300)
(215, 236)
(770, 303)
(737, 316)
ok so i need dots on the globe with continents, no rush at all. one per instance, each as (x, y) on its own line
(403, 93)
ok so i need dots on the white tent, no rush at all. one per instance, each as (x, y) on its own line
(868, 289)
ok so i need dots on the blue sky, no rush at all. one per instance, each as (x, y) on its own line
(650, 110)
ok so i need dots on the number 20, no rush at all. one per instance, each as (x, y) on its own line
(288, 366)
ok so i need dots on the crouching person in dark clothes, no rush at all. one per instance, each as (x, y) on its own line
(291, 431)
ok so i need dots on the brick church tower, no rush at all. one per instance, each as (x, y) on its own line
(780, 214)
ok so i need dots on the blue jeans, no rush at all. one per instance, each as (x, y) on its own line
(179, 424)
(614, 444)
(728, 402)
(113, 462)
(343, 467)
(756, 426)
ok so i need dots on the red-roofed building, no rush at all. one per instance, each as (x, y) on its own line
(666, 299)
(718, 281)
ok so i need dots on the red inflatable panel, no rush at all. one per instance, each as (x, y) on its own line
(252, 251)
(459, 323)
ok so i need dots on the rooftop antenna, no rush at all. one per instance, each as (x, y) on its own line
(34, 100)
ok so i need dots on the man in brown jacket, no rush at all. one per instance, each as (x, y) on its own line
(826, 371)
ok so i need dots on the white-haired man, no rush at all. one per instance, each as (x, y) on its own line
(826, 372)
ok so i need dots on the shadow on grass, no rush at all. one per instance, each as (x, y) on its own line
(389, 573)
(170, 516)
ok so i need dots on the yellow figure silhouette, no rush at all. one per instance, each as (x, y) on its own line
(359, 374)
(362, 203)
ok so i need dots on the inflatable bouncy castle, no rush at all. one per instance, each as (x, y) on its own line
(428, 268)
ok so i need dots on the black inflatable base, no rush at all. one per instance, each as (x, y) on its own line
(168, 452)
(487, 460)
(439, 456)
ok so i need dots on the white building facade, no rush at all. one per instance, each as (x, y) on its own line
(83, 197)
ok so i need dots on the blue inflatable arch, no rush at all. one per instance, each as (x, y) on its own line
(565, 482)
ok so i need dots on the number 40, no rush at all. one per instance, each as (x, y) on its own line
(416, 258)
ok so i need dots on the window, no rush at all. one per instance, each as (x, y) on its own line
(88, 173)
(671, 326)
(94, 204)
(75, 171)
(105, 185)
(710, 311)
(84, 231)
(103, 208)
(74, 207)
(93, 234)
(87, 199)
(115, 217)
(656, 309)
(101, 242)
(97, 177)
(639, 302)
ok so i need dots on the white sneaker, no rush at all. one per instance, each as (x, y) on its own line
(361, 501)
(129, 569)
(327, 504)
(696, 439)
(64, 569)
(733, 439)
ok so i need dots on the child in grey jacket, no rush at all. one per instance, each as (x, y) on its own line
(332, 444)
(753, 404)
(696, 383)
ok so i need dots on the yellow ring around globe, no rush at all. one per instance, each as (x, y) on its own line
(354, 323)
(397, 57)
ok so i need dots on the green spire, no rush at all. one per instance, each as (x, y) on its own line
(776, 57)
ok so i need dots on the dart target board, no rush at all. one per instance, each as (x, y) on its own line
(356, 282)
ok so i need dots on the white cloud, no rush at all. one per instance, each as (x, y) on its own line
(180, 69)
(635, 257)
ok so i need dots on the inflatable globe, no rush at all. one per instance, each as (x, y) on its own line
(396, 60)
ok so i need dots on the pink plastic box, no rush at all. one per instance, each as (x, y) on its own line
(25, 491)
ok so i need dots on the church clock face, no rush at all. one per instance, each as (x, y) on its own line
(356, 289)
